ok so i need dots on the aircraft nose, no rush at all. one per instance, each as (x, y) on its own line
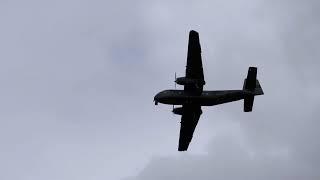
(157, 98)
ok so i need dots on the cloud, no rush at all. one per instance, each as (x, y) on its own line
(78, 79)
(279, 139)
(229, 161)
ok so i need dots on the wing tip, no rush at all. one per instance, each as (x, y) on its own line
(193, 32)
(194, 43)
(182, 149)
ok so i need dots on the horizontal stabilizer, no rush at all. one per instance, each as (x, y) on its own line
(250, 81)
(248, 103)
(252, 88)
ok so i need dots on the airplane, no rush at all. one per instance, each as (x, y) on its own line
(192, 97)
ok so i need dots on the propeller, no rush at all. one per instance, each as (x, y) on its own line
(175, 86)
(175, 80)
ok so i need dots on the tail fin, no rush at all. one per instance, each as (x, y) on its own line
(252, 86)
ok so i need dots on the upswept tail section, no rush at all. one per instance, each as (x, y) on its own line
(252, 88)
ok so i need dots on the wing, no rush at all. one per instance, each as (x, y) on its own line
(194, 64)
(189, 121)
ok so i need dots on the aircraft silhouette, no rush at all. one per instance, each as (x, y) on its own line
(193, 96)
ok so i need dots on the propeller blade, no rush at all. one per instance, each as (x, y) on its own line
(175, 80)
(172, 109)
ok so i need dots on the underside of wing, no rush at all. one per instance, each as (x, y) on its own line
(189, 121)
(194, 68)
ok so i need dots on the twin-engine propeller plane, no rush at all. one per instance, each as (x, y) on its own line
(193, 96)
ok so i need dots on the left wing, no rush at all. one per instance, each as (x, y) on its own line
(189, 121)
(194, 68)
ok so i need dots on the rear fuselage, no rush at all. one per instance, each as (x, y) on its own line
(207, 98)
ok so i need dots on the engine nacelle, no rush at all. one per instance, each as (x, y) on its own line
(178, 111)
(189, 81)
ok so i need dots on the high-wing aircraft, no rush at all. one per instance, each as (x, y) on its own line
(193, 96)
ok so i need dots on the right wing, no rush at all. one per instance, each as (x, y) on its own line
(189, 121)
(194, 64)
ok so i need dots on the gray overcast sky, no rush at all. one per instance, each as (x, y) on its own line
(78, 79)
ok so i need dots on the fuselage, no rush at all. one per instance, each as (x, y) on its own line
(207, 98)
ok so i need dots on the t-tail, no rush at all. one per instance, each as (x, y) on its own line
(252, 88)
